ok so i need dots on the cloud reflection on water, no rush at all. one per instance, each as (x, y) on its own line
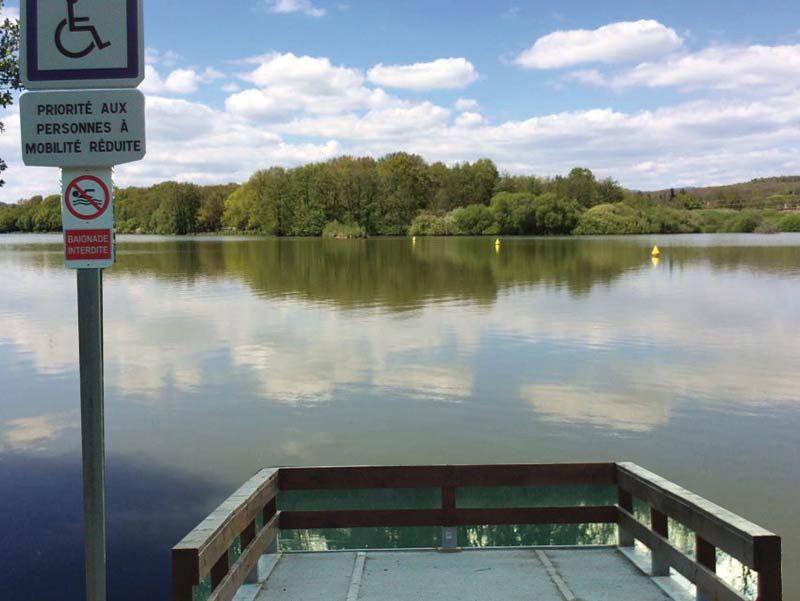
(656, 333)
(34, 433)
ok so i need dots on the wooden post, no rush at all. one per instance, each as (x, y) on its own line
(182, 588)
(660, 525)
(625, 501)
(768, 565)
(184, 575)
(449, 531)
(706, 555)
(770, 585)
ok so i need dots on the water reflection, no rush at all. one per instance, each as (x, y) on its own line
(227, 355)
(35, 433)
(601, 408)
(398, 275)
(149, 508)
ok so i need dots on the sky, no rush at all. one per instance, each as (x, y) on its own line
(653, 94)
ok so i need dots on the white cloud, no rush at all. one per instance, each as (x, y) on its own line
(256, 104)
(288, 84)
(152, 56)
(295, 6)
(586, 76)
(467, 104)
(469, 119)
(443, 73)
(759, 68)
(178, 81)
(304, 73)
(627, 41)
(300, 109)
(403, 122)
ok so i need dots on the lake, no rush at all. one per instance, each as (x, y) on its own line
(224, 355)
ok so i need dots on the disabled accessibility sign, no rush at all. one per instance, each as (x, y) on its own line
(67, 44)
(87, 210)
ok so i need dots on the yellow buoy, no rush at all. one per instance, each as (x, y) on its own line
(413, 240)
(656, 252)
(655, 261)
(497, 242)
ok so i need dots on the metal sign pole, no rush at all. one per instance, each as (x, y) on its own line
(75, 82)
(90, 334)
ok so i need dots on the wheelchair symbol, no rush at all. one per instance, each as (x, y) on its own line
(75, 26)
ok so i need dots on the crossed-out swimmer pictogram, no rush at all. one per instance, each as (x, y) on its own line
(75, 26)
(82, 199)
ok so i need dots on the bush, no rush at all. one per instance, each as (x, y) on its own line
(472, 220)
(744, 222)
(667, 220)
(427, 224)
(613, 219)
(343, 231)
(712, 220)
(554, 216)
(767, 226)
(790, 223)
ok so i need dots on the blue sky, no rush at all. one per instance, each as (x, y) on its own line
(654, 94)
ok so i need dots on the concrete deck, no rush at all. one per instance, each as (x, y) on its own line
(543, 574)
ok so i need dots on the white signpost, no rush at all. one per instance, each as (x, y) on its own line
(66, 46)
(82, 127)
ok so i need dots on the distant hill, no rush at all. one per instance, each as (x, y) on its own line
(767, 192)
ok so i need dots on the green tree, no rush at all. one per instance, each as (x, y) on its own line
(356, 181)
(177, 212)
(8, 218)
(238, 208)
(9, 67)
(520, 183)
(212, 206)
(47, 216)
(481, 181)
(579, 185)
(405, 189)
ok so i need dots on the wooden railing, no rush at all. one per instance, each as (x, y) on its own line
(206, 550)
(713, 527)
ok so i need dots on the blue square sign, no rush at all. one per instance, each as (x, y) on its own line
(81, 44)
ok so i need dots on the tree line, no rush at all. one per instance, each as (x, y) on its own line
(377, 196)
(401, 194)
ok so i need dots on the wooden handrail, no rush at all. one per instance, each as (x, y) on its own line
(714, 527)
(205, 550)
(436, 476)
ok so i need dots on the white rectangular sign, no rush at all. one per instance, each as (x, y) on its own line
(81, 44)
(82, 127)
(87, 212)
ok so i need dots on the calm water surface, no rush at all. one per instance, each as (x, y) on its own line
(226, 355)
